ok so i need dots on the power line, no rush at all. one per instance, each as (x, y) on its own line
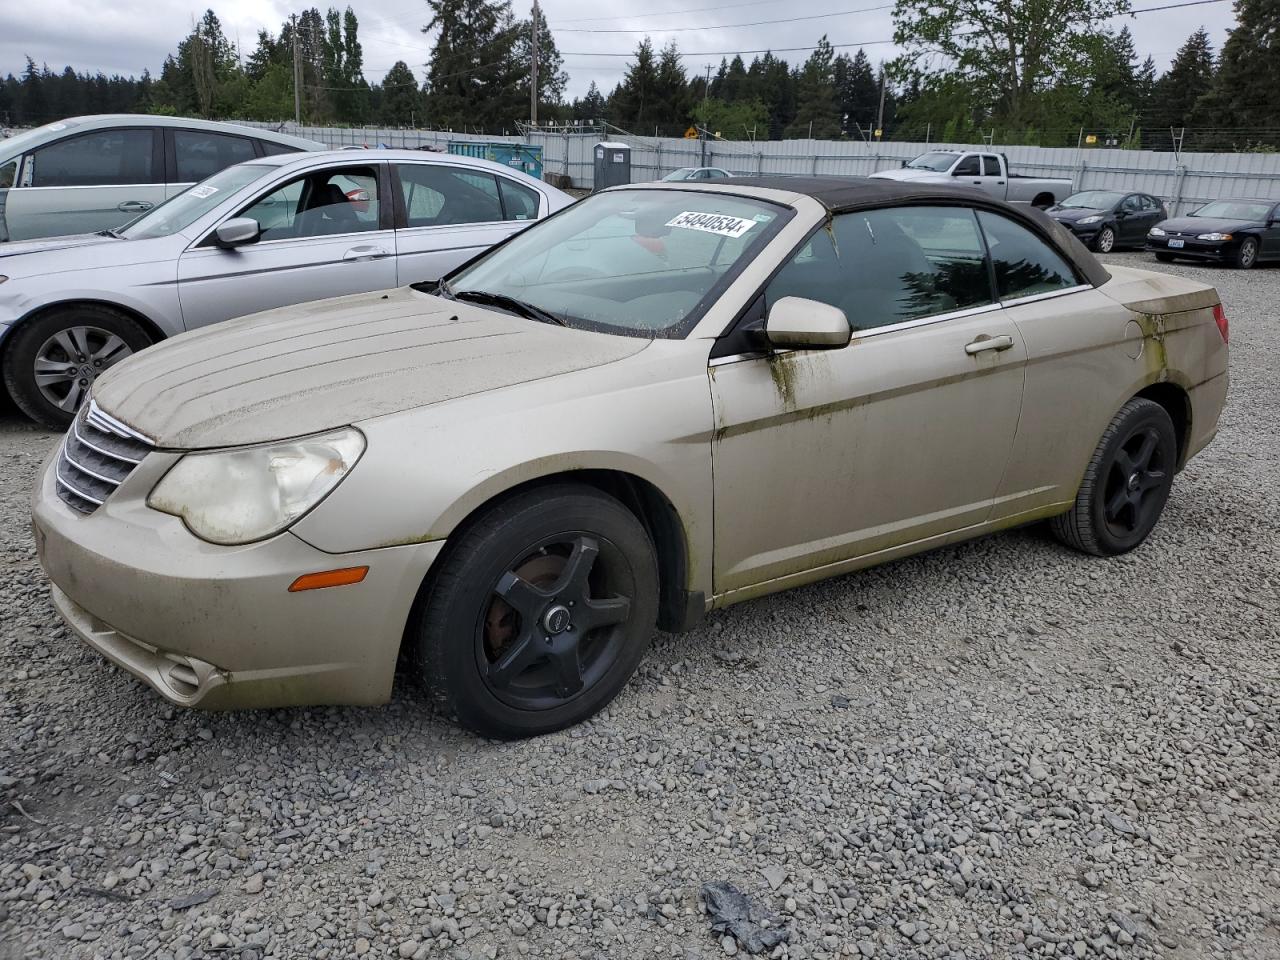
(666, 13)
(732, 26)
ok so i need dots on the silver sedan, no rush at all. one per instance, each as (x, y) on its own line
(271, 233)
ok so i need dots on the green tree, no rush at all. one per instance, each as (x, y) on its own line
(1188, 80)
(1245, 92)
(740, 120)
(635, 100)
(1004, 53)
(472, 78)
(817, 107)
(857, 90)
(551, 75)
(592, 106)
(401, 99)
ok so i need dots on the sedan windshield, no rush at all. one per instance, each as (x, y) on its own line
(643, 263)
(1234, 210)
(937, 162)
(1092, 200)
(179, 212)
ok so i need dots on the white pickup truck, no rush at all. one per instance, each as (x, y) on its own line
(989, 171)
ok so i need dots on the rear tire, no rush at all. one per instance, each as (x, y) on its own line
(1126, 484)
(53, 359)
(539, 614)
(1247, 255)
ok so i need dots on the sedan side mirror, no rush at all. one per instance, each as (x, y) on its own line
(237, 232)
(797, 323)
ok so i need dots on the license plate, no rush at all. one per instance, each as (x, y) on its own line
(1176, 244)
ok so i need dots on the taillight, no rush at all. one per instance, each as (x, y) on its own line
(1220, 318)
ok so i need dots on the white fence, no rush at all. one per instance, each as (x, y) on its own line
(1183, 181)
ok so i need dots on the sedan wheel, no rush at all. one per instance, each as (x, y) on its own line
(538, 613)
(53, 360)
(1247, 255)
(1126, 483)
(1105, 241)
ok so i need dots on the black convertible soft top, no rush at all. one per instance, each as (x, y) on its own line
(844, 194)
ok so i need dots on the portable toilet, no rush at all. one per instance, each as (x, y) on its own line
(613, 165)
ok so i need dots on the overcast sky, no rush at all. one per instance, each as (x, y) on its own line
(126, 36)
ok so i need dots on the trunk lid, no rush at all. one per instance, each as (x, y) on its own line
(1149, 292)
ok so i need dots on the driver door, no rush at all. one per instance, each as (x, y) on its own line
(826, 456)
(325, 234)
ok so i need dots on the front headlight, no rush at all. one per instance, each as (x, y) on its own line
(1214, 236)
(1089, 220)
(1156, 232)
(237, 496)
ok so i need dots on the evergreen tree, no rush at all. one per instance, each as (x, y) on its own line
(857, 90)
(817, 109)
(635, 100)
(1245, 92)
(551, 75)
(1188, 79)
(401, 100)
(472, 78)
(592, 106)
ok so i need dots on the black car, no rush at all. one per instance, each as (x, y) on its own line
(1238, 232)
(1105, 220)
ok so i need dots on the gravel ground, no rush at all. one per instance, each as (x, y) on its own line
(994, 750)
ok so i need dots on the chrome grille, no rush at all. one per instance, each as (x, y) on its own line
(97, 455)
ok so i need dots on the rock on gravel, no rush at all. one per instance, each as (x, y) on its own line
(1000, 749)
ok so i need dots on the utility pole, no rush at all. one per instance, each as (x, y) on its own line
(702, 129)
(880, 115)
(533, 71)
(297, 76)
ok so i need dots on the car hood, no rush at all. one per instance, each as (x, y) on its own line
(316, 366)
(1073, 214)
(904, 173)
(16, 248)
(1198, 225)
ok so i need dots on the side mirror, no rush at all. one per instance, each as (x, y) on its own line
(237, 232)
(796, 323)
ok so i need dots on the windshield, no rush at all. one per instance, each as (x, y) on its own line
(1092, 200)
(937, 162)
(681, 174)
(20, 142)
(179, 212)
(643, 263)
(1235, 210)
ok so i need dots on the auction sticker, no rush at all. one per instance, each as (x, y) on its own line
(204, 191)
(718, 223)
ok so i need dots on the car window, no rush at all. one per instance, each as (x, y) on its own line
(436, 195)
(990, 166)
(199, 153)
(717, 174)
(1024, 264)
(643, 263)
(321, 203)
(968, 167)
(1130, 204)
(887, 266)
(98, 158)
(271, 149)
(1149, 203)
(8, 173)
(518, 201)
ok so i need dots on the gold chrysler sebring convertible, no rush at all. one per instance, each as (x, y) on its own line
(660, 401)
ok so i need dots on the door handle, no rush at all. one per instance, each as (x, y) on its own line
(134, 206)
(365, 253)
(985, 342)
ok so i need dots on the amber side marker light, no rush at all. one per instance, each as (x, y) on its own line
(329, 578)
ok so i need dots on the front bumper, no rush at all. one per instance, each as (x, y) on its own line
(1216, 251)
(216, 627)
(1085, 233)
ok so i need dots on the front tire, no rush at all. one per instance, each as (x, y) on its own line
(1126, 484)
(1105, 241)
(1247, 255)
(539, 613)
(52, 360)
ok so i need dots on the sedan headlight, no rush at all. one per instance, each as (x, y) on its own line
(1214, 236)
(237, 496)
(1088, 220)
(1156, 232)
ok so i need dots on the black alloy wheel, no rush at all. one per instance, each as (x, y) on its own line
(1126, 483)
(538, 611)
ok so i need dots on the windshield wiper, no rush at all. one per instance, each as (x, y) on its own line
(113, 234)
(503, 302)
